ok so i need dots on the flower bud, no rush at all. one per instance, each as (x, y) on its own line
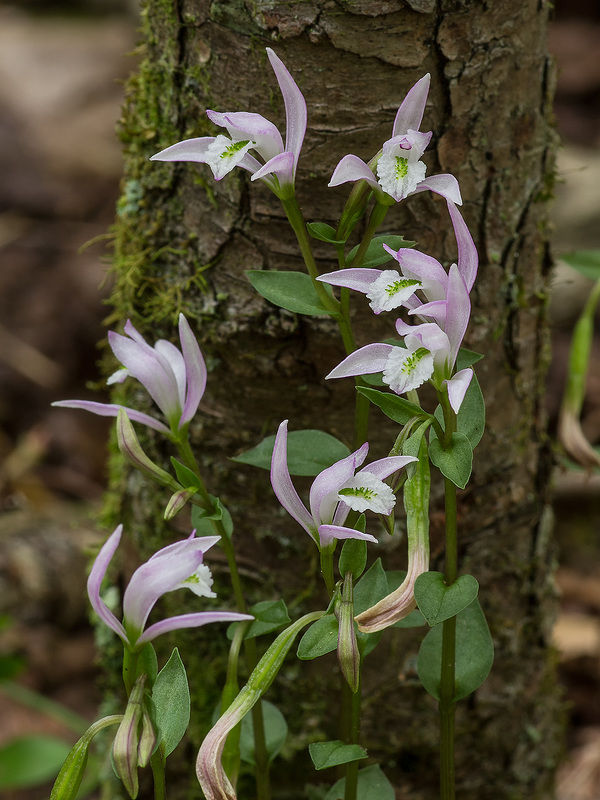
(148, 740)
(132, 450)
(125, 745)
(178, 501)
(347, 649)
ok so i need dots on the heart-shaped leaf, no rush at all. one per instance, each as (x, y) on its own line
(438, 601)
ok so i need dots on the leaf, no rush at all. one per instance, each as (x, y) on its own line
(353, 558)
(466, 358)
(331, 754)
(323, 232)
(321, 638)
(276, 730)
(202, 520)
(185, 476)
(293, 291)
(269, 615)
(31, 760)
(438, 601)
(372, 785)
(474, 654)
(587, 262)
(456, 462)
(309, 452)
(396, 408)
(171, 698)
(375, 254)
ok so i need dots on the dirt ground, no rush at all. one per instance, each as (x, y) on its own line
(60, 91)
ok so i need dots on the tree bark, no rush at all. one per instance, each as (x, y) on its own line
(183, 242)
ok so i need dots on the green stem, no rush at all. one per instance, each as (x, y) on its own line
(157, 766)
(377, 216)
(447, 703)
(261, 756)
(327, 569)
(352, 703)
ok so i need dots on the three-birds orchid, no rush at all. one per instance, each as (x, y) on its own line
(336, 491)
(175, 566)
(252, 133)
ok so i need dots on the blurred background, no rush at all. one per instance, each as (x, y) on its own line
(62, 68)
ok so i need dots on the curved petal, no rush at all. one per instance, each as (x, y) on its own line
(410, 113)
(426, 268)
(112, 410)
(152, 372)
(95, 579)
(283, 486)
(458, 311)
(323, 497)
(195, 620)
(444, 184)
(295, 107)
(385, 467)
(171, 359)
(281, 165)
(153, 579)
(365, 361)
(359, 278)
(327, 533)
(457, 388)
(188, 150)
(202, 543)
(467, 252)
(353, 168)
(195, 370)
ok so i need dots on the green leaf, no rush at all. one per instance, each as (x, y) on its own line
(31, 760)
(466, 358)
(396, 408)
(276, 730)
(185, 476)
(309, 452)
(371, 588)
(438, 601)
(147, 664)
(353, 558)
(375, 254)
(171, 697)
(293, 291)
(587, 262)
(474, 654)
(319, 639)
(269, 616)
(323, 232)
(456, 462)
(331, 754)
(372, 785)
(202, 520)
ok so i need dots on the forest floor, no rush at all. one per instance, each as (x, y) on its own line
(60, 95)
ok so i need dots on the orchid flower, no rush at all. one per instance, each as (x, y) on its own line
(175, 379)
(389, 289)
(176, 566)
(252, 132)
(400, 171)
(335, 491)
(429, 354)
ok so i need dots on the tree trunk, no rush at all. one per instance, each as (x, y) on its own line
(183, 242)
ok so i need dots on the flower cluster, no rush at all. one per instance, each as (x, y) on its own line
(439, 299)
(336, 491)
